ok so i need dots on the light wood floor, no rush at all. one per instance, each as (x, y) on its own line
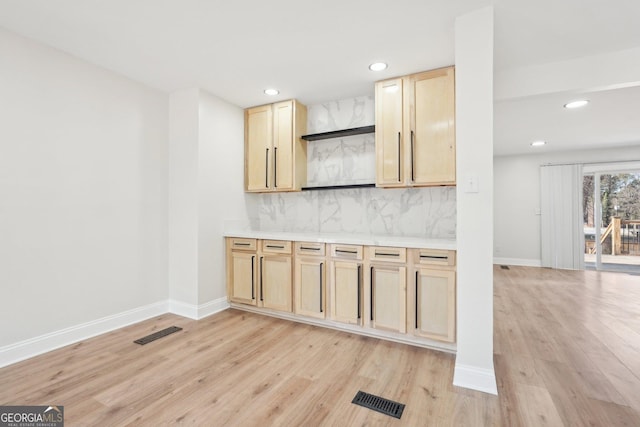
(567, 352)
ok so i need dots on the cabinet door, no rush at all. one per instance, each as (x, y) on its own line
(389, 150)
(258, 149)
(283, 142)
(435, 304)
(310, 287)
(388, 298)
(432, 134)
(243, 273)
(346, 293)
(275, 282)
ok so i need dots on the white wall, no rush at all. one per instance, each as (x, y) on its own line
(83, 191)
(221, 196)
(474, 160)
(517, 199)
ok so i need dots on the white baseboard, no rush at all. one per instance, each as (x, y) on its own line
(212, 307)
(32, 347)
(518, 261)
(475, 378)
(22, 350)
(197, 312)
(183, 309)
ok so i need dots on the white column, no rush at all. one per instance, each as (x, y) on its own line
(206, 177)
(474, 164)
(183, 201)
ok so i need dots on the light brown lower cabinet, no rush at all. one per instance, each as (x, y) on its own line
(388, 297)
(243, 267)
(435, 299)
(260, 276)
(387, 288)
(275, 284)
(433, 295)
(395, 290)
(346, 291)
(346, 278)
(310, 280)
(242, 270)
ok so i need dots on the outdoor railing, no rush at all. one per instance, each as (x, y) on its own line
(624, 236)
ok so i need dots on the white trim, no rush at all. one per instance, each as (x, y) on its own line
(475, 378)
(183, 309)
(212, 307)
(22, 350)
(197, 312)
(518, 261)
(611, 167)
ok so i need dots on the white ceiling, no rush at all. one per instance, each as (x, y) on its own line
(319, 51)
(611, 119)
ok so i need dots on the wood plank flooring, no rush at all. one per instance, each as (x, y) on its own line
(567, 353)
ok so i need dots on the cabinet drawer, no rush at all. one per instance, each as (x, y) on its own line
(243, 244)
(346, 251)
(387, 254)
(276, 247)
(435, 257)
(309, 248)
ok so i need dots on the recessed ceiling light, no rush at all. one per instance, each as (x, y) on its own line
(271, 91)
(576, 104)
(538, 143)
(378, 66)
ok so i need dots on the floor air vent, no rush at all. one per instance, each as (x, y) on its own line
(156, 335)
(505, 267)
(380, 404)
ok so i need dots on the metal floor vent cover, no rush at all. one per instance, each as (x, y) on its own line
(156, 335)
(380, 404)
(505, 267)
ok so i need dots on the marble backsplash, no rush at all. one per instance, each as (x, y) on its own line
(415, 212)
(339, 161)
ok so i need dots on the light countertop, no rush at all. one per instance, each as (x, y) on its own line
(346, 238)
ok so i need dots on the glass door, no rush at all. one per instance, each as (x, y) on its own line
(611, 213)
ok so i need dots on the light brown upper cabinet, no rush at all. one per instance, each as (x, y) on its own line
(275, 155)
(415, 130)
